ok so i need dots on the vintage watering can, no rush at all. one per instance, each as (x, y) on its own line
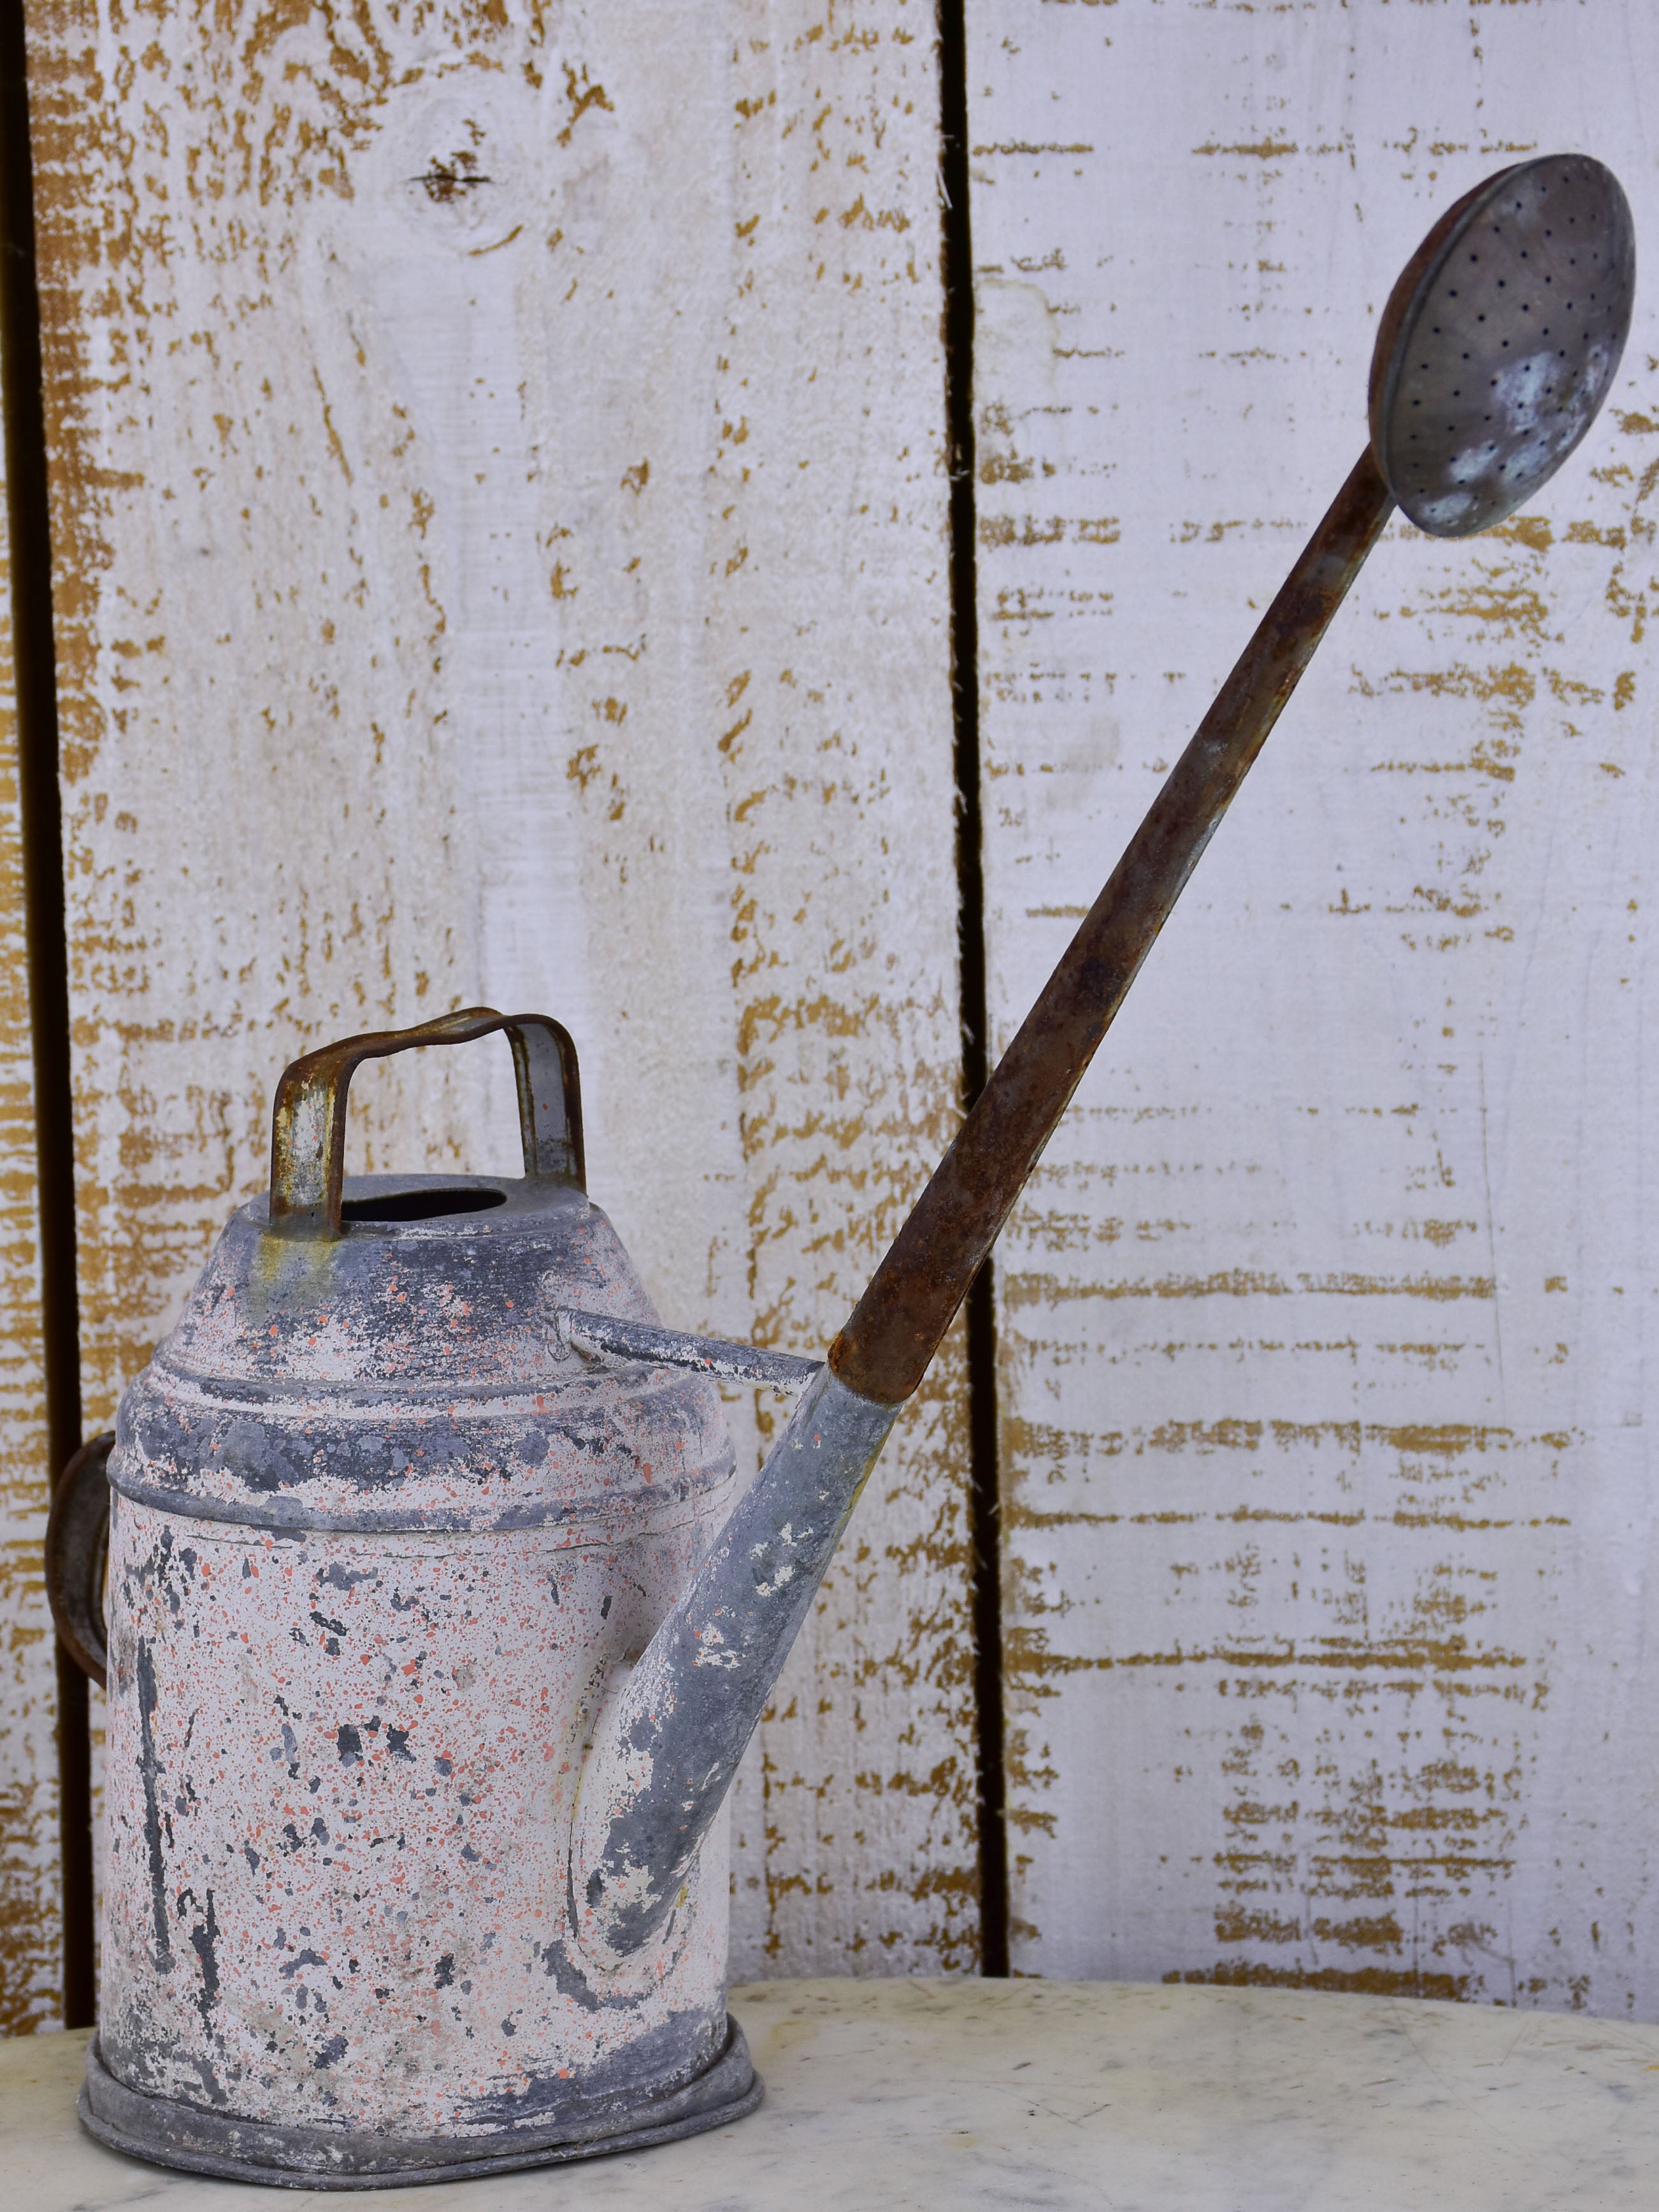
(433, 1640)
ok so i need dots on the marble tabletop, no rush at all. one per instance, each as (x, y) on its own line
(965, 2094)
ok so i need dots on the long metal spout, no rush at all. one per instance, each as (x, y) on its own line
(668, 1743)
(895, 1330)
(672, 1739)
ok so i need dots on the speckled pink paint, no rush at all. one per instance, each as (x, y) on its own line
(381, 1546)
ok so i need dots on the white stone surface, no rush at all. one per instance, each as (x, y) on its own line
(969, 2094)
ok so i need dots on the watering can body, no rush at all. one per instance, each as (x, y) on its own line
(381, 1545)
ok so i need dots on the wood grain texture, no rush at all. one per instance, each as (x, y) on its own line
(31, 1951)
(500, 513)
(1324, 1374)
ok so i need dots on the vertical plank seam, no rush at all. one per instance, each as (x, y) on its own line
(40, 806)
(985, 1518)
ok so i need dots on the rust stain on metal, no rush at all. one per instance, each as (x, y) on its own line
(884, 1348)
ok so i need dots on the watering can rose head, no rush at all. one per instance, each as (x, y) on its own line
(1501, 340)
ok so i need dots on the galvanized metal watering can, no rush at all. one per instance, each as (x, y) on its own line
(433, 1641)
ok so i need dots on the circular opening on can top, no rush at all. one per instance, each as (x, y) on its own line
(421, 1205)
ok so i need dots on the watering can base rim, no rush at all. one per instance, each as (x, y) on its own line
(166, 2131)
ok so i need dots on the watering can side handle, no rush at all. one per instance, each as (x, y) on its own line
(78, 1535)
(308, 1120)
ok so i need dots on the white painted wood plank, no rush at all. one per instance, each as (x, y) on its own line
(501, 517)
(1325, 1385)
(31, 1947)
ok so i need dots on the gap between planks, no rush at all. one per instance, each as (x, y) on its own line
(34, 660)
(985, 1520)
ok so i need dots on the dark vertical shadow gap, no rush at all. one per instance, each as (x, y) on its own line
(980, 1311)
(30, 532)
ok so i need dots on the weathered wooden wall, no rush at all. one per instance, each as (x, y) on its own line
(1325, 1392)
(499, 515)
(30, 1958)
(502, 553)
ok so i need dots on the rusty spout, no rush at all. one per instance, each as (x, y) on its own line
(884, 1351)
(668, 1743)
(1458, 453)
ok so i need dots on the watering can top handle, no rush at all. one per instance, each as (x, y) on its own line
(308, 1121)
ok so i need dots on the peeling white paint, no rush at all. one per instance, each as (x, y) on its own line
(1324, 1329)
